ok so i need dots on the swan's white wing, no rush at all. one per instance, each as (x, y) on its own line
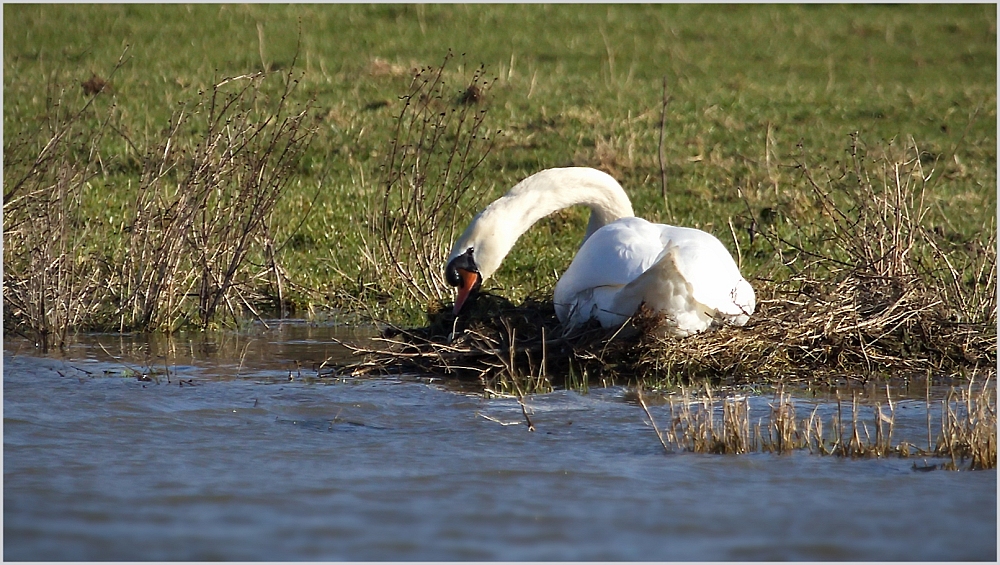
(709, 268)
(611, 258)
(614, 255)
(665, 290)
(683, 272)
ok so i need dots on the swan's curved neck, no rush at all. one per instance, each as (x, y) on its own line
(494, 231)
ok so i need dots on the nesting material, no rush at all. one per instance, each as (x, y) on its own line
(805, 330)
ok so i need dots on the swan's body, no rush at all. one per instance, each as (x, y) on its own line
(683, 273)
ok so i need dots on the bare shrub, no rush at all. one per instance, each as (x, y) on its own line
(53, 278)
(201, 210)
(202, 207)
(422, 193)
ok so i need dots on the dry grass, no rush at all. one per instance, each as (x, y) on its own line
(969, 427)
(967, 434)
(202, 207)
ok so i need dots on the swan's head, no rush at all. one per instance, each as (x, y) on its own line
(477, 254)
(462, 272)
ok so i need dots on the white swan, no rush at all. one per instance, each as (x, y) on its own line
(683, 273)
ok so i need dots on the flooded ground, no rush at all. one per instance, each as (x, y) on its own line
(239, 454)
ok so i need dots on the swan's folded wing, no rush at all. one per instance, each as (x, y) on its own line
(709, 268)
(665, 290)
(615, 255)
(687, 273)
(611, 258)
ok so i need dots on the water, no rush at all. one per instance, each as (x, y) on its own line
(232, 460)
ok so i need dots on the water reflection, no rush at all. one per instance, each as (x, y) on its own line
(243, 463)
(288, 345)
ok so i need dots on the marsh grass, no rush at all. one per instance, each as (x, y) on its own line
(704, 423)
(195, 239)
(969, 426)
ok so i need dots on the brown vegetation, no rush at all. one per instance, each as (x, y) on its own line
(202, 205)
(967, 436)
(440, 140)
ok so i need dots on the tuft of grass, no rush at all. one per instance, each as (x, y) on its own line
(703, 424)
(969, 427)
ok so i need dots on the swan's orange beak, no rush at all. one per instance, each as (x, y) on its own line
(463, 273)
(469, 280)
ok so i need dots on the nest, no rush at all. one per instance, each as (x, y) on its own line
(804, 330)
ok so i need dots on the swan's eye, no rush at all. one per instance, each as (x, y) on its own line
(451, 274)
(466, 262)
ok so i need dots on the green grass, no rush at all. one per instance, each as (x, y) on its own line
(575, 85)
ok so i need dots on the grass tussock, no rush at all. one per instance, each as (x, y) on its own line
(703, 423)
(195, 238)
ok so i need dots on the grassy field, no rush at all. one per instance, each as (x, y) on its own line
(755, 93)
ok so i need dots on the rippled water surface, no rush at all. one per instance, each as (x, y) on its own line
(242, 455)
